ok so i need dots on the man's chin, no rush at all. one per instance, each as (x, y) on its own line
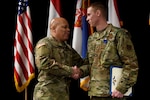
(66, 39)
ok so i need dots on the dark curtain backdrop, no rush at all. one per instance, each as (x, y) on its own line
(134, 14)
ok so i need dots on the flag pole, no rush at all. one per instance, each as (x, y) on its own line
(26, 92)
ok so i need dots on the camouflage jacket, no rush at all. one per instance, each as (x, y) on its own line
(54, 61)
(112, 46)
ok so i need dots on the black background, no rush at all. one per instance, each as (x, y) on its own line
(134, 14)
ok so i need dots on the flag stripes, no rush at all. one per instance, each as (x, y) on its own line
(113, 13)
(24, 70)
(56, 4)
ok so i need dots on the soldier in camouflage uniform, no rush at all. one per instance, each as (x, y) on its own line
(54, 60)
(108, 46)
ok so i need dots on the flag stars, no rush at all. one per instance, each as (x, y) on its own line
(22, 6)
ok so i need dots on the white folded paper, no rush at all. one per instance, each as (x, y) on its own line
(115, 75)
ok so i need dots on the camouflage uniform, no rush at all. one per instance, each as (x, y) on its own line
(111, 46)
(54, 61)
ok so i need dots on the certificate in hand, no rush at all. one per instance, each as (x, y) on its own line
(115, 75)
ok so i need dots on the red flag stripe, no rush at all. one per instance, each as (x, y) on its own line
(24, 46)
(113, 13)
(23, 50)
(116, 8)
(57, 6)
(27, 40)
(19, 83)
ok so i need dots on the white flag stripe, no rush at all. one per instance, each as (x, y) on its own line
(19, 70)
(77, 39)
(20, 50)
(112, 14)
(26, 40)
(52, 14)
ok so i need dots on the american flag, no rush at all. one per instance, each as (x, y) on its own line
(24, 70)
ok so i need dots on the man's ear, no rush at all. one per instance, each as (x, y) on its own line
(98, 12)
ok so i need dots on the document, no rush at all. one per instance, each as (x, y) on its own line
(115, 75)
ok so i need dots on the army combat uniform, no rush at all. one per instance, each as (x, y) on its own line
(54, 61)
(111, 47)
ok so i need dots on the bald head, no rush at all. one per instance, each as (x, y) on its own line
(56, 21)
(59, 29)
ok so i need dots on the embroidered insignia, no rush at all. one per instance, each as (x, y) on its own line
(110, 36)
(105, 41)
(39, 45)
(129, 47)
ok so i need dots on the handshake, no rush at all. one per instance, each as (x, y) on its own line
(77, 72)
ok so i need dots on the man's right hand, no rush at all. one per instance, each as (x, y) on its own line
(76, 72)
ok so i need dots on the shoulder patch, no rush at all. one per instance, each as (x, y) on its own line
(41, 44)
(129, 47)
